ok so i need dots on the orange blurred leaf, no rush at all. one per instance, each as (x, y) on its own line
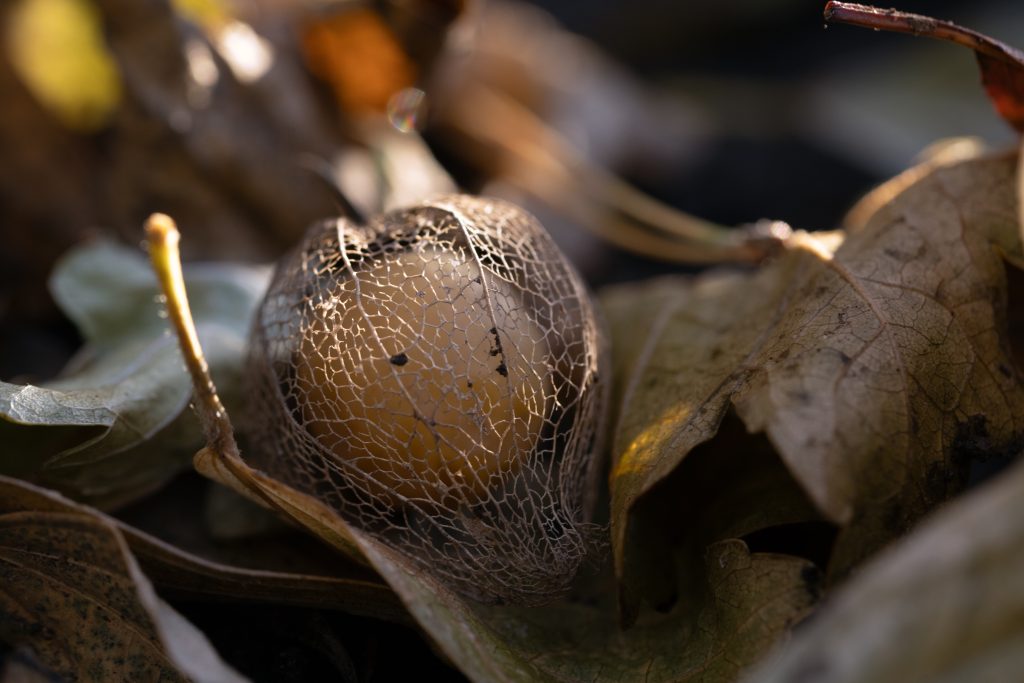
(359, 57)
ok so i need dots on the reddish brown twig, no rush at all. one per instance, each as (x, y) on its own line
(1002, 67)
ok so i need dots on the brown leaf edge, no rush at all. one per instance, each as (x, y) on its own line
(184, 573)
(642, 476)
(1002, 66)
(72, 592)
(946, 603)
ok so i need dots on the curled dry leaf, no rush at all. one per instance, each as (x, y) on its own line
(71, 591)
(745, 602)
(748, 600)
(1002, 67)
(946, 604)
(182, 573)
(946, 152)
(879, 370)
(90, 433)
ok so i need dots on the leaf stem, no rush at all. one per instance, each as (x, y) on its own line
(880, 19)
(519, 145)
(162, 237)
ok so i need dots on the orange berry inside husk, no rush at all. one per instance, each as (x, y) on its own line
(422, 381)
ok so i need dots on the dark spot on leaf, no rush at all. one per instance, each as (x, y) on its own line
(972, 441)
(502, 370)
(1005, 370)
(399, 359)
(811, 576)
(845, 359)
(801, 396)
(976, 455)
(894, 519)
(941, 481)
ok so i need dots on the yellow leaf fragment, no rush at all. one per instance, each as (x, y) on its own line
(210, 14)
(358, 55)
(57, 49)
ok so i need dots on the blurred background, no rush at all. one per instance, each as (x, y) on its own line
(637, 131)
(244, 119)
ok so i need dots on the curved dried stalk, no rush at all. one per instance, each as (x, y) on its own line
(535, 157)
(221, 460)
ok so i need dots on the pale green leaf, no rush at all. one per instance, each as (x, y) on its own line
(91, 431)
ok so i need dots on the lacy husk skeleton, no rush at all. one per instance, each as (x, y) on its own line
(434, 377)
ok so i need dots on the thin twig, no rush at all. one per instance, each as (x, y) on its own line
(880, 19)
(531, 154)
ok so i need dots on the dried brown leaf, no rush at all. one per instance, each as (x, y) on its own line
(1002, 67)
(743, 604)
(71, 590)
(184, 573)
(946, 604)
(879, 370)
(748, 600)
(940, 153)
